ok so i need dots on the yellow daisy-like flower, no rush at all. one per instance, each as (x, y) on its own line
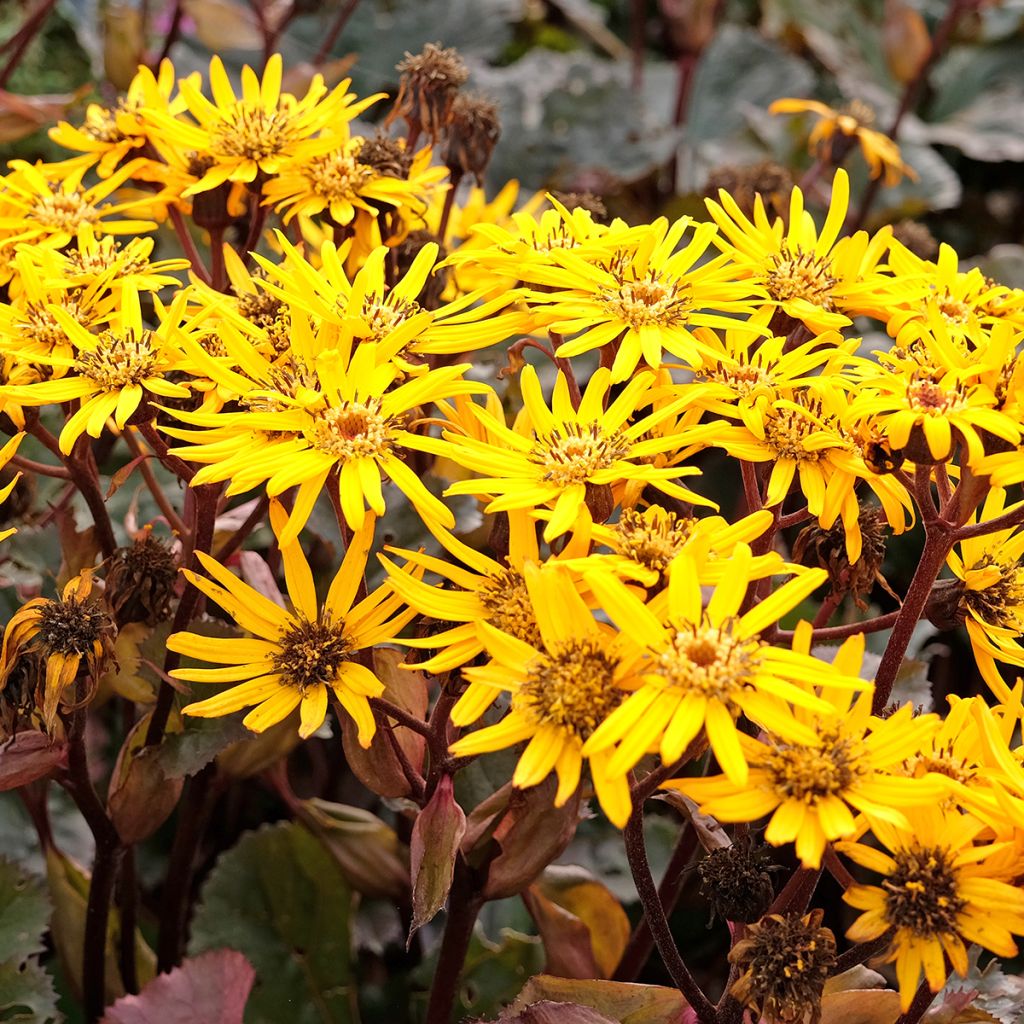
(326, 176)
(648, 298)
(561, 690)
(813, 276)
(941, 890)
(935, 411)
(109, 134)
(488, 591)
(323, 414)
(366, 308)
(852, 121)
(645, 543)
(707, 666)
(256, 133)
(65, 632)
(557, 456)
(991, 568)
(112, 373)
(966, 303)
(809, 786)
(50, 205)
(298, 658)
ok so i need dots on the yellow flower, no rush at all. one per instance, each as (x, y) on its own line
(322, 414)
(814, 277)
(297, 658)
(557, 455)
(488, 591)
(644, 545)
(941, 890)
(707, 665)
(327, 177)
(966, 303)
(113, 373)
(64, 632)
(50, 205)
(881, 153)
(938, 411)
(367, 308)
(109, 134)
(256, 133)
(644, 299)
(561, 690)
(991, 568)
(809, 785)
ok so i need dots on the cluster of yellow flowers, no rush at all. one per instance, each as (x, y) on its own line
(612, 620)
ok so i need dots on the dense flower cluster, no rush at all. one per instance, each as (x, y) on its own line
(619, 621)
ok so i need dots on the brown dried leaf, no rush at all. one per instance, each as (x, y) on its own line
(29, 756)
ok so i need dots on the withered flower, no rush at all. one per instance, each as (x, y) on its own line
(785, 961)
(62, 631)
(140, 580)
(473, 132)
(427, 89)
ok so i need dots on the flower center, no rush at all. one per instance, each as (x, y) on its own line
(70, 626)
(652, 538)
(41, 326)
(311, 653)
(709, 661)
(383, 315)
(508, 605)
(1002, 603)
(800, 275)
(745, 380)
(810, 774)
(132, 258)
(651, 300)
(921, 894)
(119, 360)
(943, 761)
(953, 310)
(572, 687)
(573, 454)
(336, 176)
(353, 430)
(64, 211)
(786, 429)
(926, 395)
(253, 133)
(101, 124)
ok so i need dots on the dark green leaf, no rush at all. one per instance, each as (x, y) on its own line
(24, 913)
(281, 899)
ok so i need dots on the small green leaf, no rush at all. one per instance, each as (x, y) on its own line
(280, 898)
(24, 913)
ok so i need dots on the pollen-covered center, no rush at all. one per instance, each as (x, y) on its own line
(653, 299)
(953, 310)
(572, 687)
(101, 124)
(64, 211)
(813, 773)
(787, 429)
(119, 359)
(708, 661)
(254, 133)
(795, 274)
(929, 397)
(352, 430)
(744, 379)
(575, 452)
(336, 176)
(310, 653)
(943, 761)
(70, 626)
(383, 315)
(103, 253)
(40, 325)
(509, 607)
(921, 895)
(1001, 603)
(652, 538)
